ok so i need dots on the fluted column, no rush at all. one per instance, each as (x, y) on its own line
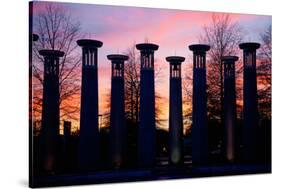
(250, 101)
(89, 150)
(199, 105)
(147, 130)
(229, 108)
(117, 111)
(175, 111)
(49, 135)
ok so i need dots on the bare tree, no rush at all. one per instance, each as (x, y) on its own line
(224, 36)
(187, 97)
(264, 74)
(57, 30)
(132, 85)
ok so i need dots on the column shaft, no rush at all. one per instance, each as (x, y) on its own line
(117, 122)
(175, 122)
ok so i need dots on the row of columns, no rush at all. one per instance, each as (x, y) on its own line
(89, 155)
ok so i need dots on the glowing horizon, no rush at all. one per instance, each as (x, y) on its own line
(120, 27)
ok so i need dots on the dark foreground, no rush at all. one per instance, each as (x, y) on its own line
(161, 172)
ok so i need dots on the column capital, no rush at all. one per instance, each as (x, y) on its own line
(119, 57)
(251, 46)
(147, 46)
(175, 59)
(89, 43)
(227, 59)
(199, 48)
(51, 53)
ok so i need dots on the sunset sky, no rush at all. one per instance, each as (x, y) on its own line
(173, 30)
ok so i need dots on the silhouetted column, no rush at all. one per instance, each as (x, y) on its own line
(175, 111)
(89, 151)
(250, 101)
(229, 107)
(67, 156)
(199, 105)
(50, 110)
(117, 110)
(66, 135)
(66, 129)
(147, 130)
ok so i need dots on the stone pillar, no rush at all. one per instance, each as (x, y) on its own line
(50, 110)
(199, 105)
(89, 151)
(67, 147)
(250, 101)
(229, 108)
(66, 131)
(175, 111)
(147, 129)
(117, 111)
